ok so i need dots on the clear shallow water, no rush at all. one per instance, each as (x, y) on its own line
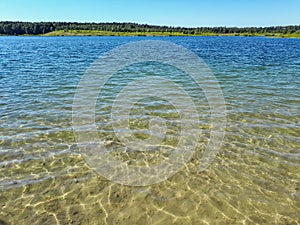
(255, 179)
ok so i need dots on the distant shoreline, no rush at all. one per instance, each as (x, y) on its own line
(161, 34)
(14, 28)
(94, 33)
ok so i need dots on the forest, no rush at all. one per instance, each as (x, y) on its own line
(41, 28)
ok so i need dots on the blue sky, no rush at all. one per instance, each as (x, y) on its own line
(160, 12)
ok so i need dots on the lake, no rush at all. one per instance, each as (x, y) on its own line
(254, 178)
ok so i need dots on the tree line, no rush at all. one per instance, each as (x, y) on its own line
(36, 28)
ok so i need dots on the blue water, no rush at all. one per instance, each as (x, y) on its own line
(254, 179)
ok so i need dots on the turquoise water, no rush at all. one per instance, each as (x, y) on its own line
(255, 179)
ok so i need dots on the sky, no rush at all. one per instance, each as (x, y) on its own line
(187, 13)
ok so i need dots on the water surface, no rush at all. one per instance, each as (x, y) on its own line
(255, 178)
